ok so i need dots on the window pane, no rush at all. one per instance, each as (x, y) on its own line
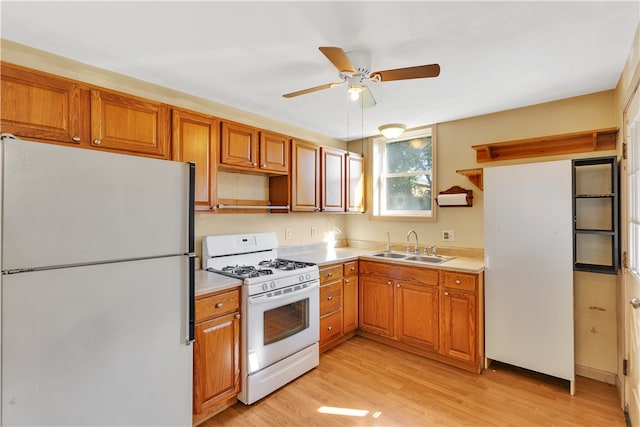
(408, 193)
(409, 156)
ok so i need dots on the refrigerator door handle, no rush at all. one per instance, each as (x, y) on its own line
(192, 256)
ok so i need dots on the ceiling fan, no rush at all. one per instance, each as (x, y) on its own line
(354, 70)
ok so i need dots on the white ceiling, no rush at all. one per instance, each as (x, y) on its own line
(493, 55)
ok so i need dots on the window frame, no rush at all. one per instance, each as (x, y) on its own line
(378, 188)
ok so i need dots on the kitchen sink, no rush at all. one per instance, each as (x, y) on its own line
(390, 255)
(431, 259)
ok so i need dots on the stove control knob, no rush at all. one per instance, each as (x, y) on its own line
(301, 278)
(272, 285)
(307, 276)
(265, 286)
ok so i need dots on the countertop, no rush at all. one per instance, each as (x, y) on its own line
(207, 282)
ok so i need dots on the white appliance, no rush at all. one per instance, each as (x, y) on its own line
(280, 310)
(529, 267)
(97, 288)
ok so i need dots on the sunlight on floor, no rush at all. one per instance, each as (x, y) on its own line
(342, 411)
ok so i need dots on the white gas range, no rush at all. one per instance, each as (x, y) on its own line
(280, 309)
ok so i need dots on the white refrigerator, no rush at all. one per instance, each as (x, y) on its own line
(96, 288)
(529, 267)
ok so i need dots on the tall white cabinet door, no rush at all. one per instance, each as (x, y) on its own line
(528, 271)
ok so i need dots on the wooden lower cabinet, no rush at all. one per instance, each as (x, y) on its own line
(338, 303)
(216, 353)
(432, 312)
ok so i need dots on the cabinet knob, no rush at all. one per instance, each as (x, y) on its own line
(254, 164)
(389, 283)
(238, 316)
(346, 280)
(75, 138)
(329, 328)
(446, 293)
(329, 298)
(219, 305)
(398, 285)
(635, 302)
(96, 142)
(264, 165)
(352, 268)
(457, 281)
(329, 274)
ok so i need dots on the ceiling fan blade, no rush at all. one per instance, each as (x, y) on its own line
(366, 98)
(338, 58)
(311, 89)
(418, 72)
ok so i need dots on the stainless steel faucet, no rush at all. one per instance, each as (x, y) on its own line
(388, 242)
(416, 249)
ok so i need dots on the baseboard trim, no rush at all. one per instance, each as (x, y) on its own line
(596, 374)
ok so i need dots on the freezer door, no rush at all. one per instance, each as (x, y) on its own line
(67, 205)
(97, 345)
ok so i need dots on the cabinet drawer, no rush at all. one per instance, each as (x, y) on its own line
(330, 298)
(459, 281)
(330, 273)
(217, 305)
(350, 268)
(330, 327)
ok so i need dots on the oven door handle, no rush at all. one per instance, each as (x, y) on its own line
(258, 300)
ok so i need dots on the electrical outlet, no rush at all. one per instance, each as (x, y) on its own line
(448, 235)
(314, 231)
(287, 233)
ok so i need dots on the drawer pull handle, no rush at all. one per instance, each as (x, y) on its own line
(353, 268)
(329, 328)
(457, 281)
(329, 274)
(329, 298)
(446, 293)
(219, 305)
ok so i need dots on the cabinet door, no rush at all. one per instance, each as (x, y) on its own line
(459, 325)
(216, 363)
(274, 152)
(376, 305)
(350, 303)
(41, 107)
(195, 139)
(129, 125)
(355, 182)
(238, 145)
(418, 315)
(305, 177)
(332, 172)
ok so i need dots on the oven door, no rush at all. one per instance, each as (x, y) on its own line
(277, 326)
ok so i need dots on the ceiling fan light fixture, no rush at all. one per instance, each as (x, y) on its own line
(392, 130)
(354, 91)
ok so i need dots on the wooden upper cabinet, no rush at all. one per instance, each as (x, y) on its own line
(245, 148)
(238, 145)
(274, 152)
(305, 176)
(355, 183)
(195, 139)
(130, 125)
(332, 172)
(41, 107)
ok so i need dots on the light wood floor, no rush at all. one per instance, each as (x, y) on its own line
(400, 389)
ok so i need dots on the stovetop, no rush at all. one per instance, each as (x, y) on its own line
(274, 268)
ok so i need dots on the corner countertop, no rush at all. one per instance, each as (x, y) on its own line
(207, 282)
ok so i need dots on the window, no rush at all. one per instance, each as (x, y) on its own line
(403, 171)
